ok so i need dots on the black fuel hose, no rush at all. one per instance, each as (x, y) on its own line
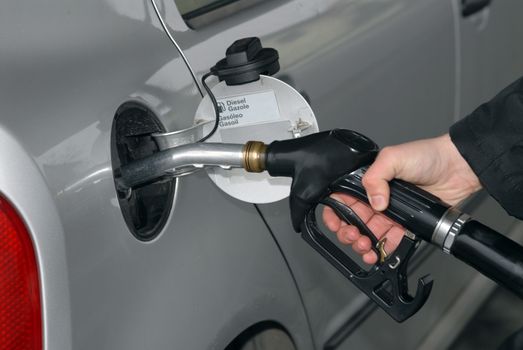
(494, 255)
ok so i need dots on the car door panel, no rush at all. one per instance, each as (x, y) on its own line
(70, 66)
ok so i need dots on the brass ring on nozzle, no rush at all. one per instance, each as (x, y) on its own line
(254, 156)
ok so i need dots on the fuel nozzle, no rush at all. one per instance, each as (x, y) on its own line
(313, 162)
(334, 162)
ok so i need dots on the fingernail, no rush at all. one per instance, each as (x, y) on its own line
(377, 202)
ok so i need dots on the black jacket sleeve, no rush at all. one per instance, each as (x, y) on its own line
(491, 141)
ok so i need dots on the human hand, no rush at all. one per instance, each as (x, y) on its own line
(434, 165)
(378, 223)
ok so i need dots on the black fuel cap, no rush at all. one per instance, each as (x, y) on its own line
(245, 60)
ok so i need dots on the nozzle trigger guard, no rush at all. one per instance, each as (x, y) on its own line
(385, 283)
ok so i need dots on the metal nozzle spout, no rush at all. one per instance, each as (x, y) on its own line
(181, 160)
(186, 158)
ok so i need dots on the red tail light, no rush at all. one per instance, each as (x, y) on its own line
(20, 313)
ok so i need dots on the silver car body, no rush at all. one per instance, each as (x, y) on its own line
(392, 69)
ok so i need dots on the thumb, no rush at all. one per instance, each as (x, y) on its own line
(376, 179)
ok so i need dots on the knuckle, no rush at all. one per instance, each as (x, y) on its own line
(387, 152)
(368, 180)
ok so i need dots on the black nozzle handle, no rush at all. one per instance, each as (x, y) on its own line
(415, 209)
(491, 253)
(314, 162)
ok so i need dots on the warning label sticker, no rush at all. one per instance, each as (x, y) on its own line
(248, 109)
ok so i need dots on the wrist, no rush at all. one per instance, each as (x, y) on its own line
(457, 166)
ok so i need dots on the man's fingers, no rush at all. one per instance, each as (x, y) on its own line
(394, 236)
(363, 211)
(330, 219)
(362, 245)
(370, 258)
(379, 225)
(333, 222)
(348, 234)
(376, 179)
